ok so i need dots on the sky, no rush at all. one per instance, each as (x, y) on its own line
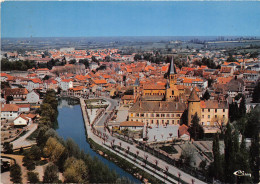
(143, 18)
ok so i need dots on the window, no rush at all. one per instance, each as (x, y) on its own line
(208, 123)
(208, 116)
(152, 121)
(208, 110)
(202, 110)
(152, 115)
(223, 116)
(216, 110)
(223, 110)
(157, 115)
(162, 115)
(162, 121)
(172, 121)
(172, 92)
(202, 116)
(167, 115)
(141, 115)
(202, 123)
(172, 115)
(215, 116)
(178, 121)
(178, 115)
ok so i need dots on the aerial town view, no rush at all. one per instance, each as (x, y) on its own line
(130, 92)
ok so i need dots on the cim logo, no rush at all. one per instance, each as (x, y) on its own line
(241, 173)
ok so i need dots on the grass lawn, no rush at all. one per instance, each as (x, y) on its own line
(169, 149)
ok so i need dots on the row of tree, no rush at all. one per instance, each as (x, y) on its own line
(7, 65)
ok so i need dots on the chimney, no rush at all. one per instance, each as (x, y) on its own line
(140, 104)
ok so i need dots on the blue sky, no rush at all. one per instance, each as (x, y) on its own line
(88, 18)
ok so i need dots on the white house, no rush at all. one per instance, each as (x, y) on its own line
(24, 107)
(33, 97)
(21, 121)
(131, 125)
(65, 84)
(9, 111)
(34, 84)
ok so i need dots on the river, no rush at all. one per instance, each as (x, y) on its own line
(71, 125)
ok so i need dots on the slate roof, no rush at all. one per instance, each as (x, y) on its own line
(193, 96)
(156, 106)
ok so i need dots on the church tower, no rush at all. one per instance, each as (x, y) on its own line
(172, 74)
(172, 91)
(193, 106)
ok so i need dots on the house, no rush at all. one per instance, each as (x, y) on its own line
(33, 97)
(9, 111)
(131, 125)
(34, 83)
(21, 120)
(65, 84)
(183, 132)
(16, 93)
(24, 107)
(157, 112)
(127, 99)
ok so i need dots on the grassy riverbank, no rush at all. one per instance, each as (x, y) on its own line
(122, 163)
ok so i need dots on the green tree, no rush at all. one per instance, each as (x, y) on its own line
(40, 139)
(9, 98)
(8, 147)
(75, 171)
(229, 154)
(187, 155)
(233, 112)
(51, 174)
(196, 130)
(15, 173)
(206, 95)
(53, 149)
(33, 177)
(242, 107)
(253, 121)
(256, 94)
(217, 163)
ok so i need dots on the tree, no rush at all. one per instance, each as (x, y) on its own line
(196, 130)
(229, 154)
(53, 149)
(242, 107)
(254, 158)
(40, 139)
(233, 112)
(256, 94)
(184, 117)
(217, 163)
(33, 177)
(8, 147)
(206, 95)
(9, 98)
(51, 174)
(187, 155)
(75, 171)
(15, 173)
